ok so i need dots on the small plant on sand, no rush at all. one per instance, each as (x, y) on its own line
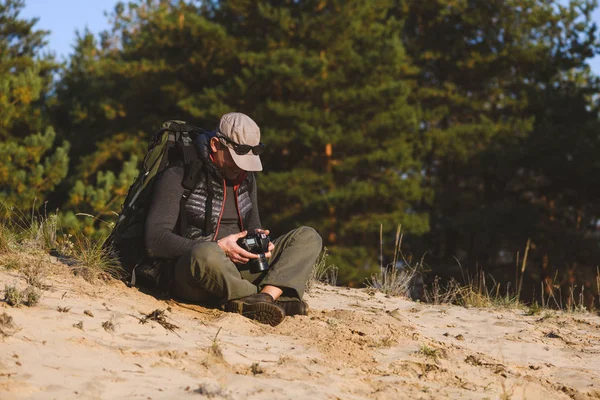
(33, 231)
(15, 297)
(34, 274)
(108, 326)
(385, 342)
(322, 272)
(534, 309)
(160, 317)
(256, 369)
(211, 391)
(43, 230)
(31, 296)
(429, 352)
(390, 279)
(12, 296)
(476, 292)
(6, 238)
(27, 232)
(215, 349)
(443, 294)
(7, 325)
(92, 261)
(576, 305)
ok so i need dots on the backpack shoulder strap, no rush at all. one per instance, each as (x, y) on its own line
(190, 180)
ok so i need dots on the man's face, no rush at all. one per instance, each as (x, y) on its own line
(223, 161)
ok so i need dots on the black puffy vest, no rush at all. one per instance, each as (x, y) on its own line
(196, 204)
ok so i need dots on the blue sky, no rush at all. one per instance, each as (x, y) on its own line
(63, 17)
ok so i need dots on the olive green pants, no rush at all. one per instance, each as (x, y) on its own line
(206, 275)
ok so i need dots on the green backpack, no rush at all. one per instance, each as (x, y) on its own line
(173, 143)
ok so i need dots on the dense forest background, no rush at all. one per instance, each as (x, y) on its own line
(472, 123)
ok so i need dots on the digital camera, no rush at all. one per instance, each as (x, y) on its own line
(256, 243)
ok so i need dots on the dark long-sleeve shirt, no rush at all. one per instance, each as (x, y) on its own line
(161, 238)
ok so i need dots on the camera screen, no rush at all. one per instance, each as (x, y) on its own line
(250, 241)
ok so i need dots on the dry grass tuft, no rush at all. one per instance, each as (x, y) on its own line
(12, 296)
(474, 293)
(42, 231)
(393, 281)
(6, 239)
(92, 261)
(15, 297)
(430, 352)
(108, 326)
(7, 325)
(34, 274)
(211, 391)
(256, 369)
(385, 342)
(78, 325)
(27, 231)
(63, 309)
(534, 309)
(159, 317)
(390, 279)
(322, 272)
(31, 296)
(215, 349)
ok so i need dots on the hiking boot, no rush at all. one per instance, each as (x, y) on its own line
(294, 307)
(259, 307)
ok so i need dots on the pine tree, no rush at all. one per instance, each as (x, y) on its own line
(326, 81)
(491, 75)
(30, 163)
(159, 61)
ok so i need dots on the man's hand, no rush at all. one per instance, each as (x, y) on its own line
(234, 252)
(271, 245)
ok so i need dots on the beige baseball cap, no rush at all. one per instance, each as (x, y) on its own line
(239, 129)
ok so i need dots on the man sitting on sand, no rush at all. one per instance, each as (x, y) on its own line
(210, 265)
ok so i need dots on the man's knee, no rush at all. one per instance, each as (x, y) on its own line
(309, 237)
(205, 257)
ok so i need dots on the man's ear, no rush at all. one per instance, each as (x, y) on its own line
(214, 144)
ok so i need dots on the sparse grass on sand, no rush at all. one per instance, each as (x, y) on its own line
(92, 261)
(6, 239)
(15, 297)
(214, 353)
(215, 349)
(12, 296)
(390, 279)
(159, 317)
(108, 326)
(429, 352)
(7, 325)
(322, 272)
(475, 291)
(28, 240)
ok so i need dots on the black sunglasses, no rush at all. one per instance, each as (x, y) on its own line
(243, 149)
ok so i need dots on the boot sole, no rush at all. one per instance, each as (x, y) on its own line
(294, 307)
(265, 313)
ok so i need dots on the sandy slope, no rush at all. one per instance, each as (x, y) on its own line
(353, 345)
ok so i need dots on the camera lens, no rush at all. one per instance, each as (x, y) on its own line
(260, 264)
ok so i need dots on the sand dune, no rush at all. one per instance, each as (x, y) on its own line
(355, 344)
